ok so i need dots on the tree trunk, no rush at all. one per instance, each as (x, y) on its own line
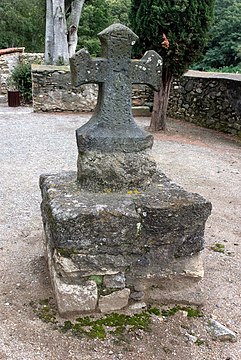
(159, 113)
(56, 45)
(60, 52)
(76, 8)
(49, 35)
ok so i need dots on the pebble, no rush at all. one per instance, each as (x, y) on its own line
(221, 332)
(191, 338)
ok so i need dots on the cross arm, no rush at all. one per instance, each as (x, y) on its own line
(148, 70)
(85, 69)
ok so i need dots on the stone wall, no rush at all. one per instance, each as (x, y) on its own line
(7, 64)
(9, 61)
(52, 90)
(211, 100)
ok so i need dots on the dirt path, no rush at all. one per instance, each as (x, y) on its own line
(200, 160)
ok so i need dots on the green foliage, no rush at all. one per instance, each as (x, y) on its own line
(96, 16)
(224, 48)
(119, 11)
(224, 69)
(98, 279)
(154, 311)
(191, 312)
(218, 248)
(22, 24)
(185, 24)
(45, 310)
(21, 78)
(117, 324)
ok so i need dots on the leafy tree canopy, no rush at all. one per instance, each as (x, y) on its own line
(224, 48)
(22, 24)
(176, 29)
(96, 16)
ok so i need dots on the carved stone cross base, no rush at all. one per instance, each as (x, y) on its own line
(115, 172)
(107, 250)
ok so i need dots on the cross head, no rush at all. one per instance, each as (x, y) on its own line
(112, 127)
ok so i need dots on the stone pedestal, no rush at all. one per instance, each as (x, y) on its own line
(108, 249)
(117, 231)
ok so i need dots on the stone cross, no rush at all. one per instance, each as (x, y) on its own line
(112, 127)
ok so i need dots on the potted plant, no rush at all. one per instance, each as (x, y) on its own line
(20, 85)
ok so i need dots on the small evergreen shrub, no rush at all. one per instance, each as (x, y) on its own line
(21, 78)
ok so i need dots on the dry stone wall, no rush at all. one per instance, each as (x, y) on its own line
(9, 61)
(52, 90)
(211, 100)
(7, 64)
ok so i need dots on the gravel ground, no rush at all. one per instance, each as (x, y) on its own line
(200, 160)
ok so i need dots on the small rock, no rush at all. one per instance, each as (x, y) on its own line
(183, 313)
(137, 295)
(115, 301)
(191, 338)
(116, 281)
(137, 306)
(220, 332)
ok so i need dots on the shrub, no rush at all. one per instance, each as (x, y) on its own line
(21, 78)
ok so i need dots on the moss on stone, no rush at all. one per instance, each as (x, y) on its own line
(98, 279)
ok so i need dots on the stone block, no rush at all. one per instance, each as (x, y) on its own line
(114, 301)
(72, 297)
(148, 240)
(116, 281)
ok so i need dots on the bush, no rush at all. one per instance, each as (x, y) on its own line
(224, 69)
(21, 78)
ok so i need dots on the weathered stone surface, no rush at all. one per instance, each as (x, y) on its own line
(116, 281)
(221, 332)
(150, 236)
(137, 295)
(150, 225)
(89, 264)
(211, 100)
(115, 301)
(119, 224)
(112, 129)
(115, 171)
(139, 306)
(75, 298)
(71, 297)
(176, 282)
(53, 91)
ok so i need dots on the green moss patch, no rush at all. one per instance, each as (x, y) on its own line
(114, 324)
(191, 312)
(218, 248)
(45, 310)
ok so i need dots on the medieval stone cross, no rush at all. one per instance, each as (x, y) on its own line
(112, 127)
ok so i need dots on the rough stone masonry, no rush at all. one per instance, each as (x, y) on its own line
(118, 231)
